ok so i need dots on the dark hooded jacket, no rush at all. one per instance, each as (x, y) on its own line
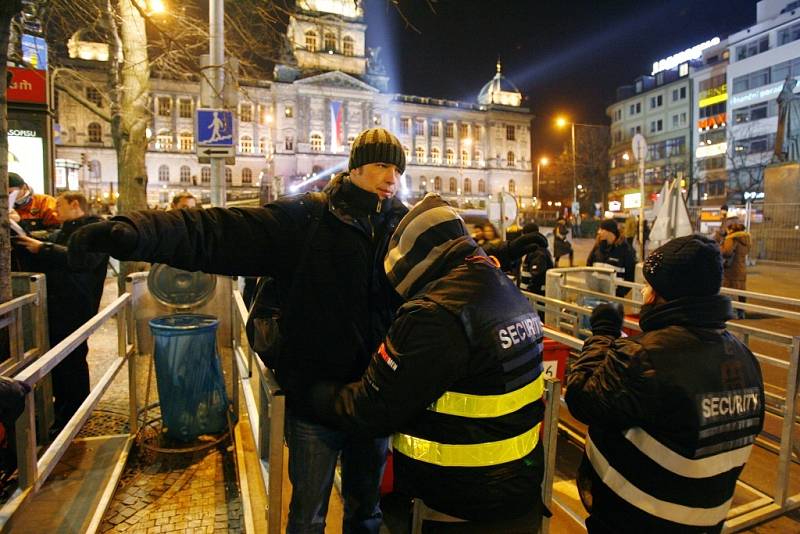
(459, 370)
(534, 266)
(341, 304)
(618, 255)
(672, 416)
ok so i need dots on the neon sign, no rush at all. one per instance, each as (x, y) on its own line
(681, 57)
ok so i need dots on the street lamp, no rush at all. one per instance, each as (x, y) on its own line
(541, 163)
(561, 122)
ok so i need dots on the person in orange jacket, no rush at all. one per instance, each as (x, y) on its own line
(31, 210)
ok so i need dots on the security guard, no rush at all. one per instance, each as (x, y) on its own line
(672, 413)
(458, 378)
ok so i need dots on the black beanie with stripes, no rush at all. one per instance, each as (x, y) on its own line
(377, 145)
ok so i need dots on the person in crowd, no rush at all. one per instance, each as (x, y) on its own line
(561, 246)
(73, 297)
(12, 403)
(33, 211)
(725, 222)
(459, 371)
(673, 412)
(477, 233)
(735, 249)
(631, 228)
(613, 249)
(182, 200)
(325, 252)
(535, 264)
(490, 237)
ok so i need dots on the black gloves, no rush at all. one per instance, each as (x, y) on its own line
(524, 244)
(12, 399)
(606, 320)
(116, 238)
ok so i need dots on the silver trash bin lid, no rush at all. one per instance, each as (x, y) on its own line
(177, 288)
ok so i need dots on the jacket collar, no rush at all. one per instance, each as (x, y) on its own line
(348, 201)
(700, 312)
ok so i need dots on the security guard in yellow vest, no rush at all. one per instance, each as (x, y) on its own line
(458, 379)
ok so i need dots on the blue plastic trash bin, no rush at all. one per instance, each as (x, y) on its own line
(189, 379)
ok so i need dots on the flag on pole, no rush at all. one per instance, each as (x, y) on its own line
(337, 125)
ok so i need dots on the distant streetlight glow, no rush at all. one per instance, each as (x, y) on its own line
(626, 156)
(157, 6)
(544, 161)
(561, 122)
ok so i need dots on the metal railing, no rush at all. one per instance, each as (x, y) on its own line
(265, 405)
(33, 472)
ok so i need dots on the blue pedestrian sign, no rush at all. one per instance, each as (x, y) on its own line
(214, 127)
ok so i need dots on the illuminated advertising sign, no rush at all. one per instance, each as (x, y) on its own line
(27, 86)
(632, 200)
(614, 205)
(26, 153)
(34, 51)
(706, 151)
(682, 57)
(758, 94)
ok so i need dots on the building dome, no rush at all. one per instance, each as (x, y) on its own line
(500, 90)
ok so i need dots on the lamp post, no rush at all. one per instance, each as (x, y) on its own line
(543, 161)
(561, 122)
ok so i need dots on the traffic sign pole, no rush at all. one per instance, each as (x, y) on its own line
(216, 51)
(639, 148)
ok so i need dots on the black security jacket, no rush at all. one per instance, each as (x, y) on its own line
(663, 388)
(450, 337)
(620, 256)
(342, 304)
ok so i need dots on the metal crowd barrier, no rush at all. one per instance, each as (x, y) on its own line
(33, 472)
(265, 406)
(564, 315)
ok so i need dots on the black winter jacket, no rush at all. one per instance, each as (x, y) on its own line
(343, 304)
(672, 415)
(451, 337)
(73, 292)
(620, 256)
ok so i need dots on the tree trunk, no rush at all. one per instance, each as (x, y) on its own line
(8, 9)
(129, 123)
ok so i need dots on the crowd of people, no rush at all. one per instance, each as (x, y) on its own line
(421, 337)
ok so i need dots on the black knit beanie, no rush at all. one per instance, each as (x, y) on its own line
(15, 180)
(610, 225)
(689, 266)
(377, 145)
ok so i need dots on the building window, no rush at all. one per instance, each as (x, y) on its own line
(678, 94)
(311, 41)
(510, 159)
(437, 183)
(185, 108)
(407, 152)
(94, 96)
(435, 128)
(186, 174)
(511, 133)
(246, 144)
(752, 48)
(448, 130)
(329, 42)
(436, 156)
(245, 113)
(420, 154)
(262, 145)
(453, 185)
(477, 131)
(228, 175)
(205, 175)
(186, 141)
(164, 141)
(247, 176)
(788, 35)
(95, 132)
(288, 142)
(419, 127)
(465, 157)
(656, 101)
(316, 142)
(467, 186)
(463, 131)
(347, 46)
(481, 186)
(450, 158)
(288, 111)
(478, 157)
(656, 126)
(405, 125)
(512, 186)
(95, 171)
(163, 173)
(164, 106)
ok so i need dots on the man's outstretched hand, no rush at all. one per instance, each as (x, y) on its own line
(117, 238)
(606, 319)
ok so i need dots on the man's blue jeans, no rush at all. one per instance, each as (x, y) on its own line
(313, 451)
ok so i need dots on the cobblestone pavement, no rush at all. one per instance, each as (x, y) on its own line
(160, 492)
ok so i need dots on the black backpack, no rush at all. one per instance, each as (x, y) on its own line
(262, 328)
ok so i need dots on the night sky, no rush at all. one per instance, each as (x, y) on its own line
(565, 57)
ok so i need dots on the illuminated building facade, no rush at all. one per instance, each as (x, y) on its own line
(295, 130)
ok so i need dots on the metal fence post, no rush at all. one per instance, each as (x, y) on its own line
(787, 435)
(44, 389)
(550, 431)
(26, 444)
